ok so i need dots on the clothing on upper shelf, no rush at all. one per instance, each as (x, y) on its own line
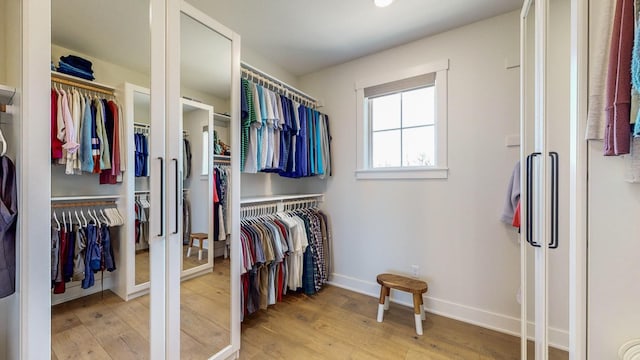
(141, 142)
(77, 252)
(8, 221)
(282, 136)
(280, 252)
(76, 66)
(87, 135)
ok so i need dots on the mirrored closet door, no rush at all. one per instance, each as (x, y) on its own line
(200, 184)
(106, 171)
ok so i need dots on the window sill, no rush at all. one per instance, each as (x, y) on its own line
(402, 174)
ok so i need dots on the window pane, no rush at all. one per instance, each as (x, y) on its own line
(418, 107)
(205, 153)
(385, 149)
(385, 112)
(418, 146)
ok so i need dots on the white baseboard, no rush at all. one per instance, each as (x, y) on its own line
(558, 338)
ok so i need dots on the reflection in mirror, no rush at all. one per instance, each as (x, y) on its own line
(98, 48)
(205, 299)
(197, 208)
(141, 132)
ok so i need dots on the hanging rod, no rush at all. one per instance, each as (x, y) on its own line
(83, 198)
(69, 80)
(221, 159)
(141, 125)
(280, 198)
(82, 204)
(250, 70)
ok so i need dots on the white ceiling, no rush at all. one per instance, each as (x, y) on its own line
(301, 36)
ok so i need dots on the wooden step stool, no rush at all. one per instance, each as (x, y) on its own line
(201, 237)
(402, 283)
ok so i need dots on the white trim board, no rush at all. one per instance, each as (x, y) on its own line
(558, 338)
(75, 291)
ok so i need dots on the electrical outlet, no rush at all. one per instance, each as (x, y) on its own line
(415, 270)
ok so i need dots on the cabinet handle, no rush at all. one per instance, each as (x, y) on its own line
(529, 179)
(161, 196)
(554, 200)
(177, 198)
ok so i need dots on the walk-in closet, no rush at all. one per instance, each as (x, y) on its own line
(192, 179)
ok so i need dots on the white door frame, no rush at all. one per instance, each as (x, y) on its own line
(578, 200)
(34, 187)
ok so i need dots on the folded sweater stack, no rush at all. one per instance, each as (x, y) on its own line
(76, 66)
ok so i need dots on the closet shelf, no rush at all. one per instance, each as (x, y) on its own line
(85, 197)
(6, 96)
(65, 79)
(221, 117)
(277, 198)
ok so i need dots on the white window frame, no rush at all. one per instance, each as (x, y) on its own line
(204, 170)
(364, 169)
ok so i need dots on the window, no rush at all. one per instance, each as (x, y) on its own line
(402, 124)
(205, 151)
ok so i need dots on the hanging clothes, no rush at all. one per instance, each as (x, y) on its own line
(618, 86)
(283, 252)
(222, 176)
(8, 222)
(141, 142)
(78, 252)
(186, 217)
(282, 136)
(186, 158)
(87, 135)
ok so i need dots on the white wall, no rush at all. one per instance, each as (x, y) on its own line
(3, 47)
(261, 62)
(614, 255)
(115, 75)
(449, 228)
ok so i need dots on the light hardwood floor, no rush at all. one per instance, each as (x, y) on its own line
(142, 262)
(334, 324)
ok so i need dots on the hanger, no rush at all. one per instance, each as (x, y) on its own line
(93, 218)
(64, 221)
(100, 216)
(55, 217)
(106, 216)
(115, 218)
(83, 218)
(3, 142)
